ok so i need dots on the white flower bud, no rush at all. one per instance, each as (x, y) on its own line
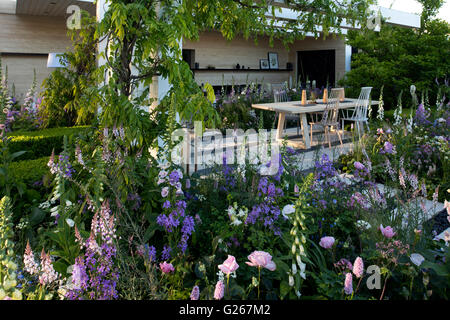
(294, 268)
(291, 281)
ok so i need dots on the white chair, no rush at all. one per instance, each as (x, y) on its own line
(281, 96)
(358, 114)
(329, 118)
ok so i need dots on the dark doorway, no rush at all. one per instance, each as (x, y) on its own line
(317, 65)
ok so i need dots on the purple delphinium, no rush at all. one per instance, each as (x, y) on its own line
(186, 230)
(166, 204)
(267, 211)
(228, 174)
(150, 253)
(421, 116)
(166, 253)
(324, 168)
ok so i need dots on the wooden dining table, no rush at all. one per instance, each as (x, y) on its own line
(296, 107)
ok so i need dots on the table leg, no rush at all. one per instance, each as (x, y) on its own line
(305, 130)
(281, 118)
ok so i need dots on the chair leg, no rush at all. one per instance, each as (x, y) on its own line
(327, 133)
(339, 136)
(298, 126)
(311, 133)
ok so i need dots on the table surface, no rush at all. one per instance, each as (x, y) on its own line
(296, 107)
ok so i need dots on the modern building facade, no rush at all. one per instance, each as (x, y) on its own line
(32, 29)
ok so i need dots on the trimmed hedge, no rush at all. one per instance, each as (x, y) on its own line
(29, 171)
(40, 143)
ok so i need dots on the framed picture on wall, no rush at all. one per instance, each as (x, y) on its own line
(264, 64)
(273, 60)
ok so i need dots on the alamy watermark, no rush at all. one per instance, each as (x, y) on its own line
(373, 20)
(236, 146)
(74, 20)
(374, 280)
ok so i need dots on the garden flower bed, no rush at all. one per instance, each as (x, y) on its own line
(232, 234)
(107, 212)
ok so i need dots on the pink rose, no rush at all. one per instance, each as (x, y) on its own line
(261, 259)
(229, 266)
(166, 267)
(326, 242)
(388, 232)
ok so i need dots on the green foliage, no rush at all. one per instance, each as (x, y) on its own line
(8, 268)
(38, 144)
(30, 171)
(69, 95)
(397, 58)
(145, 36)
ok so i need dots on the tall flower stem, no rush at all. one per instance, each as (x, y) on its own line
(228, 286)
(384, 288)
(359, 282)
(259, 279)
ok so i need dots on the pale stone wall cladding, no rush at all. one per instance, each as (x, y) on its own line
(20, 71)
(212, 49)
(23, 35)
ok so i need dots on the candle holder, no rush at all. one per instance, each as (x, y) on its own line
(303, 97)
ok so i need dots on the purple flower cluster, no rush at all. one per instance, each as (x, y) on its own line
(166, 253)
(228, 174)
(421, 116)
(277, 177)
(9, 118)
(361, 171)
(63, 167)
(94, 275)
(172, 220)
(324, 168)
(174, 209)
(358, 198)
(267, 210)
(388, 148)
(150, 253)
(186, 230)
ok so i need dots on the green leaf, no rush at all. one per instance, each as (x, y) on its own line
(36, 216)
(17, 154)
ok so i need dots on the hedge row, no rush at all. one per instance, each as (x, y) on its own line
(38, 144)
(29, 171)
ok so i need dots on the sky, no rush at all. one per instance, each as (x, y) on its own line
(411, 6)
